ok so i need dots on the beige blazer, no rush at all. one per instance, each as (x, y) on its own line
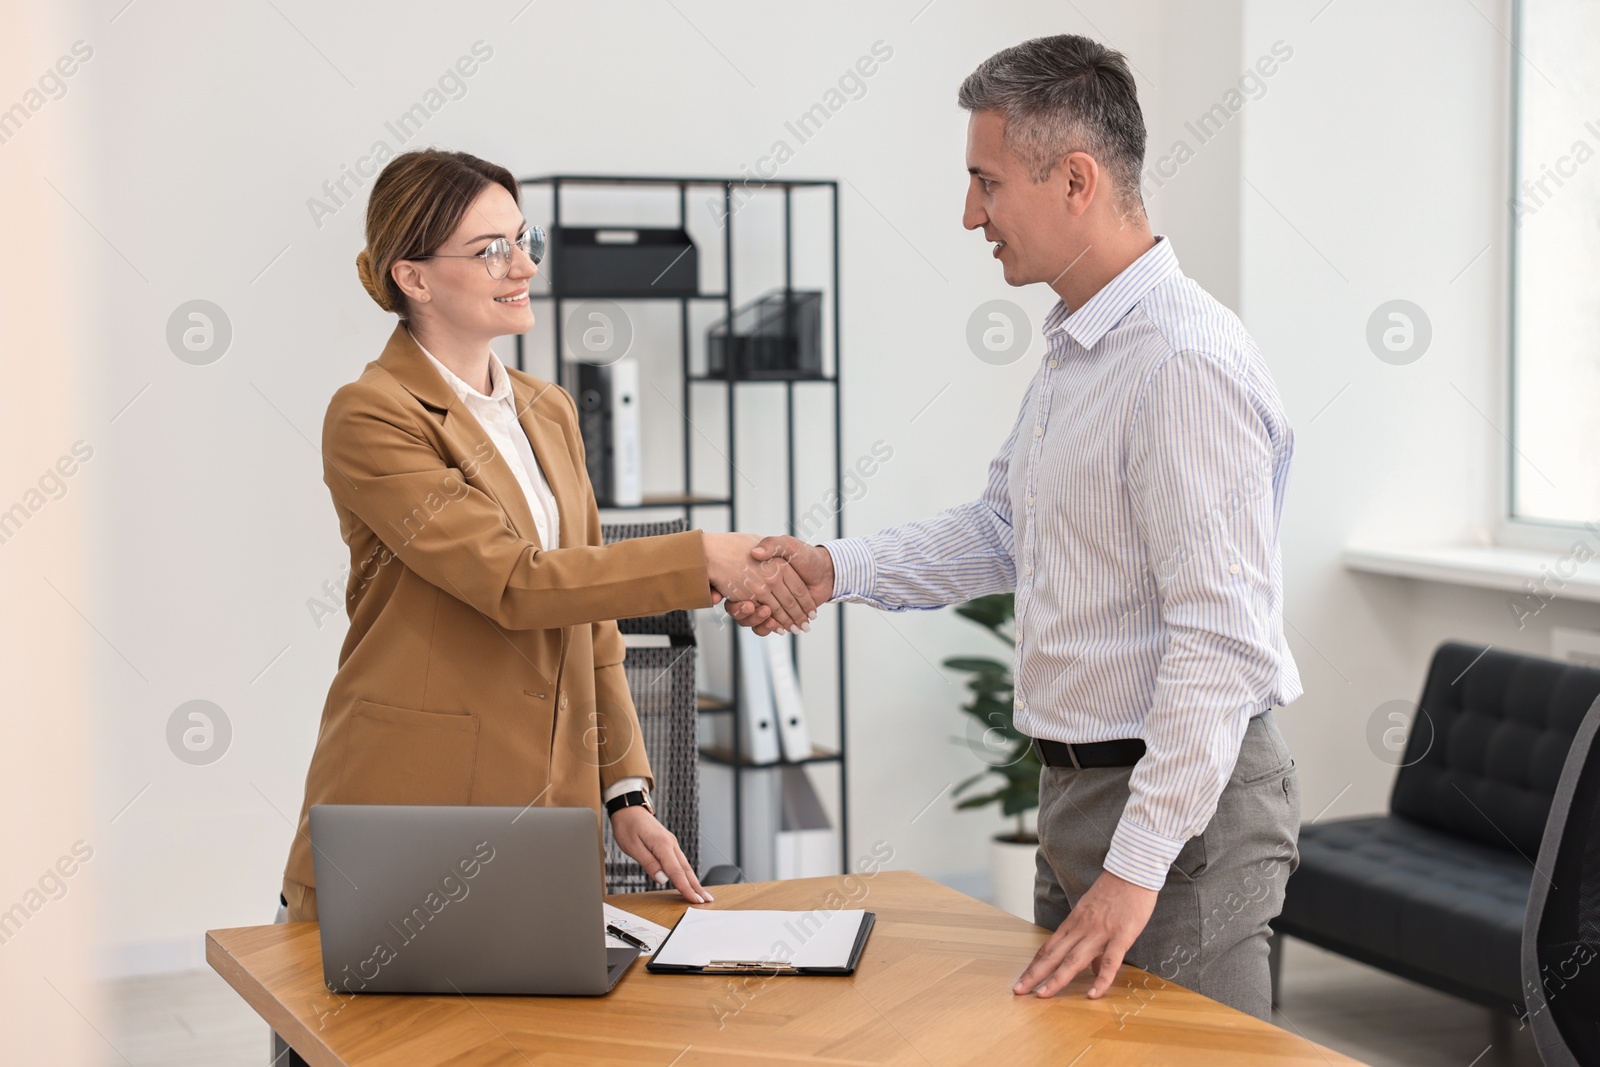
(480, 667)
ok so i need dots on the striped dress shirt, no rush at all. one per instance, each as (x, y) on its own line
(1134, 509)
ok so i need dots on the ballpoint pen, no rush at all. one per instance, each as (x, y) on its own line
(619, 932)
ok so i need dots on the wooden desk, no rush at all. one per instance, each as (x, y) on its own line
(933, 988)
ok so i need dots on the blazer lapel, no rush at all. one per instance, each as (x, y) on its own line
(471, 449)
(560, 466)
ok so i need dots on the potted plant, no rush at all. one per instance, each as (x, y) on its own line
(1011, 766)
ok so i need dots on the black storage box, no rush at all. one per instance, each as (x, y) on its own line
(776, 336)
(620, 262)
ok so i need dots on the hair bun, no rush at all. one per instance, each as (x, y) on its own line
(378, 292)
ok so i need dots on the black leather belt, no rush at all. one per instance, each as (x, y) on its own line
(1124, 752)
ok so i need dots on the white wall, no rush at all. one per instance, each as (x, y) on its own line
(1376, 166)
(1191, 175)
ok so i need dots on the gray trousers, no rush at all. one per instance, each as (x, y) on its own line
(1209, 928)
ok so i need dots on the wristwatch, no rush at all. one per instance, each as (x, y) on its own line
(627, 800)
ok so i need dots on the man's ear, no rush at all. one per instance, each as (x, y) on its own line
(409, 277)
(1081, 173)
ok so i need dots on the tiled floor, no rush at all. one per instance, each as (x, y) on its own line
(182, 1020)
(195, 1020)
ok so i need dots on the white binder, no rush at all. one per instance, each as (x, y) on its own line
(793, 733)
(627, 470)
(806, 846)
(758, 717)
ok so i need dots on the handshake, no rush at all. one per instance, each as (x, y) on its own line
(773, 584)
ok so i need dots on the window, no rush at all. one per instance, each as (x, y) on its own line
(1554, 462)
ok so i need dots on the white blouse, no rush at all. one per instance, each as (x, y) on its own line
(497, 414)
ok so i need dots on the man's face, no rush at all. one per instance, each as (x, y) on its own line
(1036, 235)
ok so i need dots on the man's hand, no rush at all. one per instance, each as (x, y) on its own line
(1099, 929)
(654, 846)
(777, 596)
(811, 563)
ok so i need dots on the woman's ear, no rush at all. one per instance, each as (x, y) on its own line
(412, 282)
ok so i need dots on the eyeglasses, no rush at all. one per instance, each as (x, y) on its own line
(497, 256)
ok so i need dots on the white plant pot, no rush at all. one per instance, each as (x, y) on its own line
(1012, 866)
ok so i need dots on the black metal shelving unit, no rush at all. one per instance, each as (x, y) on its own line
(689, 501)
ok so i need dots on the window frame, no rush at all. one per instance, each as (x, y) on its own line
(1511, 529)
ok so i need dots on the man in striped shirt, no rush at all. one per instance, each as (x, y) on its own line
(1134, 509)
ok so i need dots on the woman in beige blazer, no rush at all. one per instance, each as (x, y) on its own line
(483, 664)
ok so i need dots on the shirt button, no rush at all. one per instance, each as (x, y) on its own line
(1233, 568)
(1038, 431)
(563, 700)
(1054, 363)
(1030, 501)
(1030, 570)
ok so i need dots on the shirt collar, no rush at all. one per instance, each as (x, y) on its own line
(1106, 308)
(499, 380)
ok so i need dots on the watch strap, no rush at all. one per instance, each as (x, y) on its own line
(636, 797)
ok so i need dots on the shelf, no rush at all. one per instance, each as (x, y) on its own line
(725, 758)
(638, 179)
(778, 379)
(634, 296)
(1480, 566)
(695, 304)
(670, 500)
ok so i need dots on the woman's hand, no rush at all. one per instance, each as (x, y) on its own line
(641, 836)
(772, 583)
(811, 563)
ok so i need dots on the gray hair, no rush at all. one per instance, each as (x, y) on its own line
(1064, 94)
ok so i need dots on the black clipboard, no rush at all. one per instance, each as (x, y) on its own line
(764, 967)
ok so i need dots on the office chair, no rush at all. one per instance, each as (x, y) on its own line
(1561, 930)
(661, 680)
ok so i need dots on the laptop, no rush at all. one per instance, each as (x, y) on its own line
(421, 899)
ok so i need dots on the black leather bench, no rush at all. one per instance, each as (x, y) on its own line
(1435, 891)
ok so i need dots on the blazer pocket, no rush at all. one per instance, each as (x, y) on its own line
(399, 756)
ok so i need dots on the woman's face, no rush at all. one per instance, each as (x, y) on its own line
(458, 295)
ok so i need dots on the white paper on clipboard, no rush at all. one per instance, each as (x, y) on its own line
(796, 938)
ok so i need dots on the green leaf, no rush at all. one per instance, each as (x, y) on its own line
(978, 802)
(994, 613)
(1021, 770)
(993, 692)
(975, 779)
(981, 664)
(1017, 801)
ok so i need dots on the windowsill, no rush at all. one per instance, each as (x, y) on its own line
(1481, 566)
